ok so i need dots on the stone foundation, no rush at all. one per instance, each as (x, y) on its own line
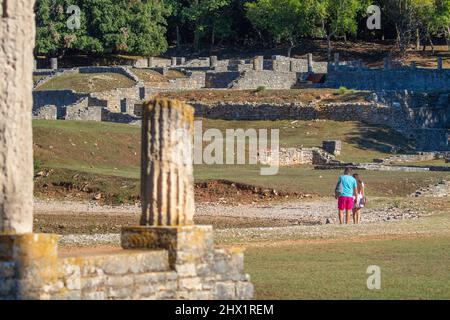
(30, 268)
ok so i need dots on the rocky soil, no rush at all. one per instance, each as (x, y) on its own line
(83, 224)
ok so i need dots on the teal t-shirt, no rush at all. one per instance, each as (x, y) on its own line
(348, 184)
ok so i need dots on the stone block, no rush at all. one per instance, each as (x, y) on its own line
(225, 291)
(333, 147)
(195, 242)
(244, 291)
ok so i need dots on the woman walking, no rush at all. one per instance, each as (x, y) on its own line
(360, 201)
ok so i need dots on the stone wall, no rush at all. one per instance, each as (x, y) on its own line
(58, 98)
(269, 79)
(46, 113)
(398, 117)
(391, 79)
(296, 156)
(130, 274)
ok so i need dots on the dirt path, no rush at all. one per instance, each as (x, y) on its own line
(86, 224)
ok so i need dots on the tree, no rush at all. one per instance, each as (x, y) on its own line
(339, 18)
(107, 26)
(199, 14)
(287, 21)
(440, 19)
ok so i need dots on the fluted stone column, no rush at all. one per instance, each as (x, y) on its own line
(17, 30)
(166, 173)
(167, 188)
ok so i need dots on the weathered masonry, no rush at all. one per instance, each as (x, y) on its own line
(171, 257)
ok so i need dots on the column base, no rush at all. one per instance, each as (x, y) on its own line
(186, 244)
(31, 262)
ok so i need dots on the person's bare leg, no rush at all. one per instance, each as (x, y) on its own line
(347, 216)
(358, 216)
(341, 216)
(355, 212)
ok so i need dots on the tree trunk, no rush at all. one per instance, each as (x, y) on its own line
(291, 45)
(329, 47)
(213, 37)
(432, 45)
(196, 39)
(177, 28)
(417, 39)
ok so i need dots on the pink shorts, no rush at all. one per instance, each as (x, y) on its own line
(345, 203)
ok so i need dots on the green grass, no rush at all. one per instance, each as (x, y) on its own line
(410, 269)
(87, 82)
(109, 149)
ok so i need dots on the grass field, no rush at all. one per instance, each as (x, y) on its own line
(113, 150)
(410, 269)
(87, 82)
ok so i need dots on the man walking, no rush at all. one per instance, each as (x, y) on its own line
(346, 193)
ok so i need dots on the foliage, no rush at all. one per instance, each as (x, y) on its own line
(145, 27)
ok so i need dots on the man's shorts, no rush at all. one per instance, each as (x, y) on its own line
(345, 203)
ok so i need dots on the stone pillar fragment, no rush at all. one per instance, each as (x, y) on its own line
(213, 61)
(336, 61)
(167, 192)
(258, 63)
(151, 62)
(54, 63)
(17, 30)
(173, 61)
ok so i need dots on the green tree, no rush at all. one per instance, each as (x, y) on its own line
(287, 21)
(107, 26)
(339, 18)
(199, 14)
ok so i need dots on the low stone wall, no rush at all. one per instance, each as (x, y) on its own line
(398, 117)
(296, 156)
(395, 79)
(46, 113)
(265, 78)
(198, 271)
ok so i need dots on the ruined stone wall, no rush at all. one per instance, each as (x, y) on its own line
(46, 113)
(58, 98)
(295, 156)
(396, 116)
(393, 79)
(266, 78)
(201, 272)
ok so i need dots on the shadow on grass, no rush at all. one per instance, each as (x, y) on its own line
(378, 138)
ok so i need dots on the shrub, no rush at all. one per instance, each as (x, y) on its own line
(342, 90)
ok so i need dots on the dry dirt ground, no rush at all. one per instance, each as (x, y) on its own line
(88, 224)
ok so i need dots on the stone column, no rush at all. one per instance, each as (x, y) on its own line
(151, 62)
(173, 61)
(16, 148)
(182, 61)
(28, 262)
(439, 63)
(310, 63)
(167, 192)
(258, 63)
(54, 63)
(213, 61)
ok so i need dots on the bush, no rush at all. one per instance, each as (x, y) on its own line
(342, 90)
(260, 88)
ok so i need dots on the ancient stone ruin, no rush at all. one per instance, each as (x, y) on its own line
(172, 258)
